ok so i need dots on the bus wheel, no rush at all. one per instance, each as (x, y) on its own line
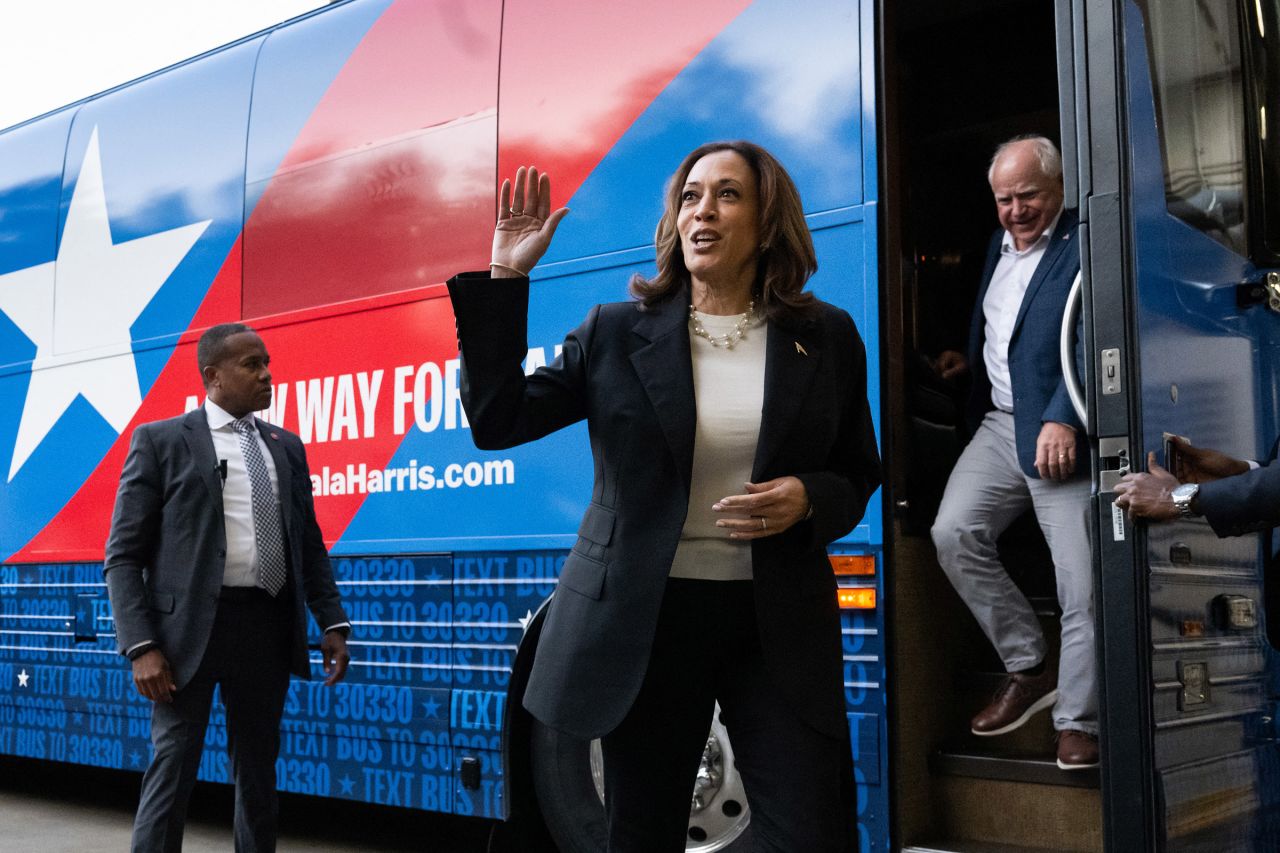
(568, 775)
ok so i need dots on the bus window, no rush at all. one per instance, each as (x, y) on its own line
(387, 182)
(30, 184)
(1195, 50)
(1262, 58)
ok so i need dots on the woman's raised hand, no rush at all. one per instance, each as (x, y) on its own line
(525, 224)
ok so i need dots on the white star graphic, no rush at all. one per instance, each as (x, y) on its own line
(78, 310)
(23, 678)
(524, 620)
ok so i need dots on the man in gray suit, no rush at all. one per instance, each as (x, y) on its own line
(214, 551)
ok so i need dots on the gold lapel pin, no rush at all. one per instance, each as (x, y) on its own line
(801, 349)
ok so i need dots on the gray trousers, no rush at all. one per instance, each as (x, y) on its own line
(987, 491)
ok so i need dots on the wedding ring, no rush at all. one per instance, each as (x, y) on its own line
(764, 523)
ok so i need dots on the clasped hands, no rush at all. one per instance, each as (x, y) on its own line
(766, 509)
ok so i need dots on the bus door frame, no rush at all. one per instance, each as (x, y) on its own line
(1094, 127)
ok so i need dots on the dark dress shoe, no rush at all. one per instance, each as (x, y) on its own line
(1019, 697)
(1077, 750)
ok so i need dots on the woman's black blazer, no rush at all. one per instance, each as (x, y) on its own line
(627, 370)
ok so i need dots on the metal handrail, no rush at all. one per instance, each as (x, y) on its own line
(1067, 350)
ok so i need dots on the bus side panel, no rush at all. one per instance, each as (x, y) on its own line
(1205, 375)
(171, 150)
(388, 185)
(495, 594)
(151, 207)
(31, 161)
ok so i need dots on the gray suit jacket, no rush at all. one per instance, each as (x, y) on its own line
(629, 373)
(167, 548)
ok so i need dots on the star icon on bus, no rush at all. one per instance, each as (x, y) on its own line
(85, 302)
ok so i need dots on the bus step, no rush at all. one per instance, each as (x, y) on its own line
(977, 847)
(982, 762)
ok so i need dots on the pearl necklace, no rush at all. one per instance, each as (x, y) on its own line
(731, 337)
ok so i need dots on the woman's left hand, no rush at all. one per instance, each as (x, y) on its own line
(765, 510)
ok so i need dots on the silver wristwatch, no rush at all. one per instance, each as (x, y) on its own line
(1182, 496)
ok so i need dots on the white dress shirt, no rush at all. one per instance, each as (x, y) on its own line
(237, 497)
(1001, 305)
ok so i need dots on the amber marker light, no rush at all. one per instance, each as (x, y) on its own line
(856, 597)
(853, 564)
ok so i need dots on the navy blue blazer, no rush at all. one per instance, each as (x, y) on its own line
(1245, 503)
(628, 371)
(1035, 369)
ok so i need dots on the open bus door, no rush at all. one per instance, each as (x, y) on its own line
(1170, 133)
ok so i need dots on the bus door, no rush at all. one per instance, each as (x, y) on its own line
(1170, 125)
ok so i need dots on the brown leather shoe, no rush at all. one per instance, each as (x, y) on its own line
(1019, 697)
(1077, 750)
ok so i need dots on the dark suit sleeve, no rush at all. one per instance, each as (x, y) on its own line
(505, 407)
(839, 493)
(135, 525)
(1245, 503)
(318, 586)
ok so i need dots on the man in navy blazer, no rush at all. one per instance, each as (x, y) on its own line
(214, 551)
(1026, 444)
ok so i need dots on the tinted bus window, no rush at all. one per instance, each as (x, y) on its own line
(387, 180)
(1195, 50)
(30, 185)
(1263, 62)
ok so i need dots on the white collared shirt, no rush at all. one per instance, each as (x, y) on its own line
(1001, 305)
(237, 497)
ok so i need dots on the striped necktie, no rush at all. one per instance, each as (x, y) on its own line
(266, 515)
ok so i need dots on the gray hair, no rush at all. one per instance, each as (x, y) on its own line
(1046, 153)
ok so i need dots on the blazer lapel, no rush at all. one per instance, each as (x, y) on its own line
(665, 367)
(791, 358)
(200, 443)
(1059, 240)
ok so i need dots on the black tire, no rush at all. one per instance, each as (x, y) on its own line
(567, 796)
(570, 803)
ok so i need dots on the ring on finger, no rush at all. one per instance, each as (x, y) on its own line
(764, 523)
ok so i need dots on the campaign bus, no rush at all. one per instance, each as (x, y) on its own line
(322, 179)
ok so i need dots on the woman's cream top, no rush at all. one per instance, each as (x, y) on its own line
(728, 390)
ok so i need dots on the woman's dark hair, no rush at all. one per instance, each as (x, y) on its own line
(787, 258)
